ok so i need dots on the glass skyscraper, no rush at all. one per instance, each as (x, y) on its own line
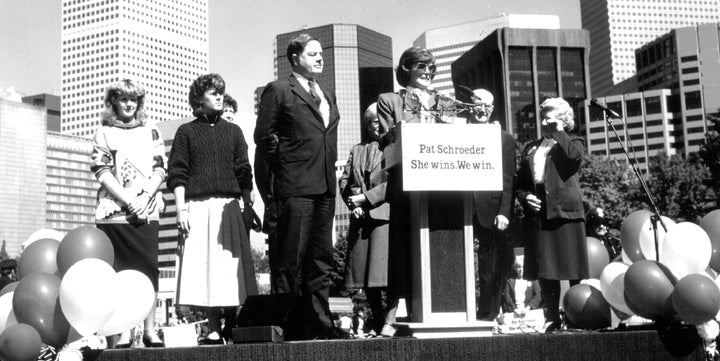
(523, 67)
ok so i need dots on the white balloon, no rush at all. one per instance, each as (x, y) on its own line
(591, 282)
(687, 249)
(647, 237)
(86, 295)
(7, 316)
(43, 233)
(612, 286)
(134, 298)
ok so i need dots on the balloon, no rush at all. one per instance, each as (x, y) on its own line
(648, 289)
(134, 298)
(83, 242)
(612, 286)
(7, 317)
(638, 237)
(630, 234)
(711, 224)
(686, 249)
(696, 299)
(20, 343)
(43, 233)
(585, 306)
(86, 295)
(10, 287)
(35, 302)
(598, 257)
(591, 282)
(38, 257)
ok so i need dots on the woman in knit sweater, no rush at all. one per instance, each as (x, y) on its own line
(129, 161)
(209, 172)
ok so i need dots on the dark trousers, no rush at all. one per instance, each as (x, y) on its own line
(495, 258)
(270, 221)
(305, 241)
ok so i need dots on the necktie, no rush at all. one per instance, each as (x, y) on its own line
(313, 93)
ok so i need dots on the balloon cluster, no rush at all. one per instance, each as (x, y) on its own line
(68, 289)
(679, 283)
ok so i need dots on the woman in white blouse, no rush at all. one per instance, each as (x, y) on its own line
(549, 189)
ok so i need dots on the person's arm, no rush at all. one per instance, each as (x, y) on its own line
(178, 174)
(266, 141)
(502, 219)
(182, 210)
(159, 171)
(102, 162)
(242, 168)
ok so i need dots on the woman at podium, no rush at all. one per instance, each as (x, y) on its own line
(416, 103)
(548, 188)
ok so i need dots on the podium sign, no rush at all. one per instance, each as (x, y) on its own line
(443, 157)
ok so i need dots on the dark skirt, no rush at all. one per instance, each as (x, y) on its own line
(556, 249)
(367, 255)
(136, 248)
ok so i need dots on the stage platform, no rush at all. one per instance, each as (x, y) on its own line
(647, 345)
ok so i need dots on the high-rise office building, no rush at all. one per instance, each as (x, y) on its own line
(618, 27)
(358, 67)
(448, 43)
(52, 105)
(685, 60)
(162, 45)
(523, 67)
(650, 126)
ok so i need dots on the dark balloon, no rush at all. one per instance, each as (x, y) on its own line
(36, 303)
(586, 307)
(20, 342)
(598, 257)
(10, 287)
(696, 299)
(648, 288)
(711, 224)
(39, 256)
(83, 242)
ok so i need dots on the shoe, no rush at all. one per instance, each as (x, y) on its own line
(124, 341)
(213, 339)
(387, 331)
(152, 340)
(552, 326)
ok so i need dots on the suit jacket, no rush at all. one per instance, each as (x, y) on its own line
(531, 298)
(562, 186)
(299, 150)
(393, 108)
(363, 174)
(487, 205)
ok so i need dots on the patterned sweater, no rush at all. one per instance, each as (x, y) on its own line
(131, 153)
(210, 160)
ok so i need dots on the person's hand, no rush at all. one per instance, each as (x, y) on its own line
(183, 222)
(554, 124)
(139, 204)
(358, 213)
(501, 222)
(534, 202)
(248, 198)
(357, 200)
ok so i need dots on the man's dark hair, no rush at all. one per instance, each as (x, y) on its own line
(229, 101)
(297, 46)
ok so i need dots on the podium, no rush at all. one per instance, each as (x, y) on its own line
(441, 165)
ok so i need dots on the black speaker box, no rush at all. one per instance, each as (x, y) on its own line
(281, 310)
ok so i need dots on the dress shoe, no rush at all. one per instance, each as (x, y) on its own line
(387, 331)
(213, 339)
(152, 340)
(124, 341)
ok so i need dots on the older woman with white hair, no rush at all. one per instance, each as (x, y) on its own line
(549, 189)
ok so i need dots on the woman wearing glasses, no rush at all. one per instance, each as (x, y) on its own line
(549, 190)
(414, 104)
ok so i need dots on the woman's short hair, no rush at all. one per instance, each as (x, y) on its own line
(297, 46)
(201, 85)
(125, 87)
(229, 101)
(408, 58)
(369, 116)
(564, 110)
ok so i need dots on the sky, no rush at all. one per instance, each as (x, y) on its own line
(242, 33)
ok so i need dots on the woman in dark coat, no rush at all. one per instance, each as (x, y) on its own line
(362, 186)
(548, 188)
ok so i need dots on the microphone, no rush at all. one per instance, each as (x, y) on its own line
(597, 104)
(446, 97)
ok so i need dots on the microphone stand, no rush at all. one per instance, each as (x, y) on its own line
(655, 218)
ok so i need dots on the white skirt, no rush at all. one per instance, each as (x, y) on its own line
(208, 275)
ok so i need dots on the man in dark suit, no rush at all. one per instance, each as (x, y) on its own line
(296, 133)
(491, 214)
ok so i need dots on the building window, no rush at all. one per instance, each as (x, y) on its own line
(634, 107)
(693, 100)
(652, 105)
